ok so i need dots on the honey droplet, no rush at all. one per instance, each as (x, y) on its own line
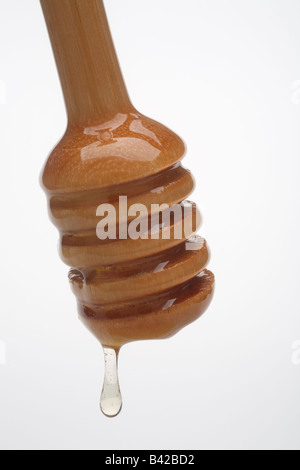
(111, 398)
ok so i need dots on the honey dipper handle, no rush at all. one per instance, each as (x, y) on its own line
(87, 63)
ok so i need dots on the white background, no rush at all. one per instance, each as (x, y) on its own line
(224, 76)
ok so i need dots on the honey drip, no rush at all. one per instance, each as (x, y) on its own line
(111, 398)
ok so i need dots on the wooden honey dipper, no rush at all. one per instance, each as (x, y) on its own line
(127, 288)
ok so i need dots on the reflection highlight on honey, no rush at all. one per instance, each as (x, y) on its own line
(125, 136)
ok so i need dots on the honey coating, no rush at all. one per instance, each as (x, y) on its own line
(126, 289)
